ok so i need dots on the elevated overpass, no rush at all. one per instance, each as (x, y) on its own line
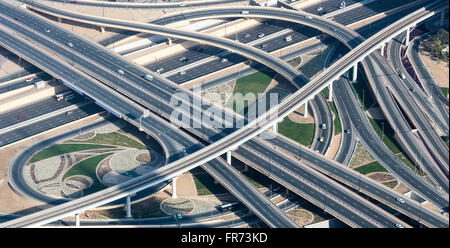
(121, 107)
(348, 37)
(266, 120)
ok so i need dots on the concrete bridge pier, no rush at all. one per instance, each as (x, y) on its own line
(275, 127)
(77, 219)
(407, 37)
(330, 91)
(355, 73)
(174, 188)
(229, 157)
(102, 29)
(170, 41)
(382, 49)
(59, 19)
(128, 206)
(305, 111)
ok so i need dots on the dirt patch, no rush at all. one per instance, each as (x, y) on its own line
(300, 216)
(186, 185)
(298, 116)
(86, 136)
(361, 157)
(334, 146)
(143, 157)
(401, 188)
(437, 68)
(381, 176)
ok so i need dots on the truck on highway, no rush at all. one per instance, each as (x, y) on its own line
(227, 207)
(245, 12)
(288, 37)
(66, 95)
(40, 84)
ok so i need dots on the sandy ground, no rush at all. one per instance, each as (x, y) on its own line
(9, 63)
(186, 185)
(361, 157)
(375, 113)
(334, 146)
(299, 117)
(438, 68)
(11, 201)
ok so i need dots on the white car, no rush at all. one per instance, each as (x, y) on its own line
(402, 76)
(223, 60)
(182, 72)
(319, 9)
(121, 72)
(399, 225)
(400, 200)
(309, 17)
(324, 126)
(148, 77)
(261, 35)
(69, 44)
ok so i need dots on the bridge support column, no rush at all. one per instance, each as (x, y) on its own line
(174, 187)
(102, 29)
(305, 110)
(229, 157)
(355, 72)
(382, 49)
(77, 219)
(170, 41)
(275, 127)
(407, 37)
(128, 206)
(59, 19)
(330, 92)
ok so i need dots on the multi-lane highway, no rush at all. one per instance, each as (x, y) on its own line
(322, 180)
(426, 79)
(289, 108)
(350, 38)
(262, 202)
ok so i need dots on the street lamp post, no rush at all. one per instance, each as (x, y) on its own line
(382, 131)
(145, 114)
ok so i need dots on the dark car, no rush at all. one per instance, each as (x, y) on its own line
(21, 117)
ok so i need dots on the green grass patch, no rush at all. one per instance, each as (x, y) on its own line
(302, 133)
(371, 167)
(444, 91)
(388, 134)
(254, 83)
(88, 168)
(363, 91)
(205, 184)
(445, 140)
(391, 184)
(326, 92)
(59, 149)
(410, 164)
(113, 139)
(337, 121)
(258, 179)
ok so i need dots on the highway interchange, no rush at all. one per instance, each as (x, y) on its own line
(211, 136)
